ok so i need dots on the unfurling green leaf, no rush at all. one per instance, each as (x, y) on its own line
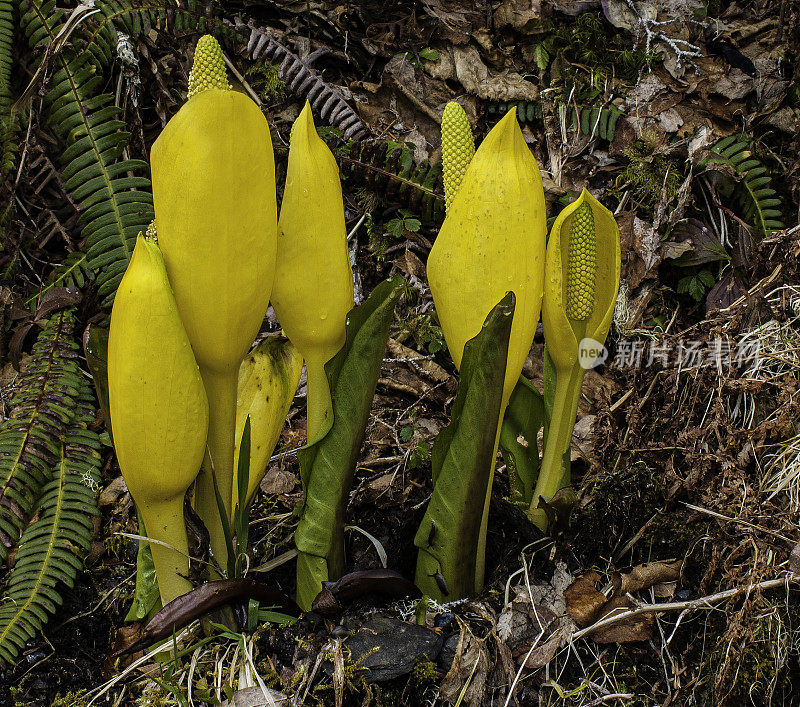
(327, 465)
(462, 461)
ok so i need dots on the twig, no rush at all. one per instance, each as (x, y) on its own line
(700, 603)
(714, 514)
(682, 48)
(608, 698)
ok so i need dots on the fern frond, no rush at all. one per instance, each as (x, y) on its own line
(759, 202)
(596, 120)
(116, 203)
(527, 111)
(389, 169)
(41, 411)
(301, 79)
(53, 546)
(73, 271)
(136, 18)
(8, 145)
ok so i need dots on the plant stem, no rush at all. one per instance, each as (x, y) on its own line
(221, 391)
(480, 559)
(164, 522)
(559, 436)
(319, 408)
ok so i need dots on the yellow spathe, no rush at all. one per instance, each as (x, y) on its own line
(268, 379)
(492, 241)
(582, 272)
(214, 194)
(563, 333)
(159, 410)
(313, 289)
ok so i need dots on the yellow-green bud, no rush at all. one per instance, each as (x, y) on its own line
(581, 264)
(208, 68)
(458, 147)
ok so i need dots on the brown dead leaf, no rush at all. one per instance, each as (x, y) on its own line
(584, 601)
(409, 263)
(544, 653)
(464, 64)
(517, 13)
(647, 574)
(430, 368)
(583, 440)
(640, 245)
(635, 628)
(470, 667)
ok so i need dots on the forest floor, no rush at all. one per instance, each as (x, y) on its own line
(686, 454)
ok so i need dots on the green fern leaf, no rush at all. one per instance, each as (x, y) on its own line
(8, 123)
(389, 169)
(53, 546)
(759, 203)
(41, 411)
(116, 205)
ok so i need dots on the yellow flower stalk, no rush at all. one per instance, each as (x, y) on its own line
(159, 410)
(491, 242)
(268, 379)
(458, 148)
(581, 282)
(214, 196)
(313, 290)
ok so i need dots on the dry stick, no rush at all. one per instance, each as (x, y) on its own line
(699, 603)
(714, 514)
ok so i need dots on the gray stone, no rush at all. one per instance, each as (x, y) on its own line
(387, 648)
(448, 653)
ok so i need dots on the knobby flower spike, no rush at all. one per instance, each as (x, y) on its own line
(458, 149)
(159, 410)
(492, 242)
(214, 195)
(313, 290)
(581, 283)
(208, 67)
(268, 379)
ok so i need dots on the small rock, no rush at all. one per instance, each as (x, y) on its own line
(448, 653)
(444, 620)
(277, 482)
(387, 648)
(111, 493)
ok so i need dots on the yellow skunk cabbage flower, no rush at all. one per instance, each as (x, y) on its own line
(268, 379)
(159, 411)
(492, 241)
(313, 290)
(581, 283)
(214, 196)
(458, 148)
